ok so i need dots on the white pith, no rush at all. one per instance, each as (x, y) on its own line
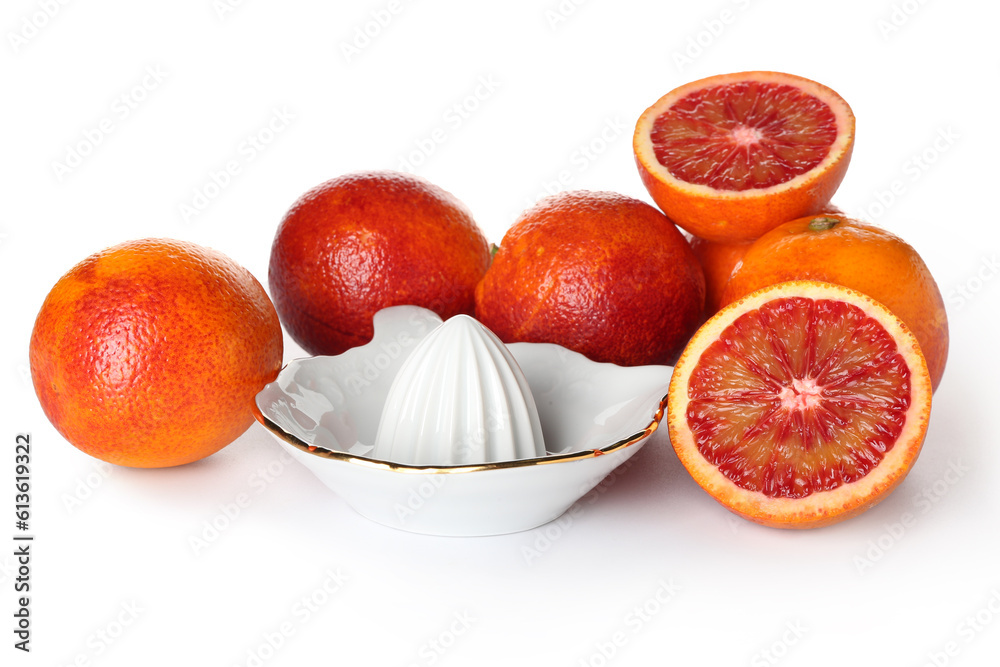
(804, 393)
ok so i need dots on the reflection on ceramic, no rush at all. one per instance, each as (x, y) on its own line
(459, 398)
(325, 411)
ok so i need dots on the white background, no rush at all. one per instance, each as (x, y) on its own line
(649, 559)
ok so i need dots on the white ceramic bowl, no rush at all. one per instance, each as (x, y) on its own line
(325, 412)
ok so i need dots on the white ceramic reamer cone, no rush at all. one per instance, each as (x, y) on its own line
(459, 399)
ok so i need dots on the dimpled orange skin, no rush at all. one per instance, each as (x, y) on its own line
(149, 354)
(858, 255)
(599, 273)
(366, 241)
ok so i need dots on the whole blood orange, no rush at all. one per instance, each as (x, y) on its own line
(600, 273)
(731, 156)
(149, 354)
(717, 261)
(800, 405)
(366, 241)
(837, 249)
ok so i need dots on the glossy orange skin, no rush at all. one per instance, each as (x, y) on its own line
(366, 241)
(732, 220)
(596, 272)
(856, 255)
(149, 354)
(717, 261)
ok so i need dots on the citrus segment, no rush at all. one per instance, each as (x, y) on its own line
(800, 405)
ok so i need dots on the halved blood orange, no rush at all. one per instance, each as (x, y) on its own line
(732, 156)
(800, 405)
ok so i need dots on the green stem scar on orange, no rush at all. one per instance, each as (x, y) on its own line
(823, 224)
